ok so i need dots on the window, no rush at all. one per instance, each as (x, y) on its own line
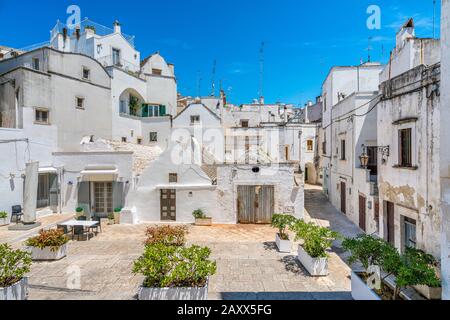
(195, 120)
(123, 106)
(244, 123)
(86, 73)
(41, 116)
(124, 139)
(152, 111)
(409, 226)
(153, 136)
(173, 178)
(80, 103)
(405, 147)
(36, 64)
(157, 72)
(343, 156)
(287, 153)
(116, 57)
(139, 140)
(310, 145)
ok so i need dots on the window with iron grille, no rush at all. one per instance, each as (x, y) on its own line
(195, 120)
(36, 64)
(409, 226)
(153, 136)
(41, 116)
(405, 147)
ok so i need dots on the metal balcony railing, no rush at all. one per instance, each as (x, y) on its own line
(109, 61)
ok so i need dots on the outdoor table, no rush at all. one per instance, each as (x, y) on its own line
(76, 223)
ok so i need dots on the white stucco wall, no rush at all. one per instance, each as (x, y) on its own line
(445, 148)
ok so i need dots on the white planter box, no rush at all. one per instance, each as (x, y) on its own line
(429, 293)
(18, 291)
(206, 222)
(47, 254)
(128, 216)
(284, 246)
(4, 222)
(361, 291)
(317, 267)
(161, 294)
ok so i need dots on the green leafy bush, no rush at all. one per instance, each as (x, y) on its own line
(118, 210)
(365, 249)
(317, 240)
(166, 235)
(3, 215)
(414, 267)
(14, 264)
(198, 214)
(170, 266)
(283, 222)
(53, 239)
(79, 210)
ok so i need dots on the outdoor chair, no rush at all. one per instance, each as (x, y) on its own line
(80, 230)
(17, 213)
(97, 227)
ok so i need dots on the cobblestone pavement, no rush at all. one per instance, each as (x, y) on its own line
(249, 266)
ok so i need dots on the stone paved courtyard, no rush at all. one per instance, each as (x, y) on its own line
(249, 267)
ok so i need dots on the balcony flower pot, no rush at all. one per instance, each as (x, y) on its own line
(360, 289)
(161, 294)
(429, 292)
(117, 213)
(48, 254)
(284, 246)
(317, 267)
(16, 292)
(203, 222)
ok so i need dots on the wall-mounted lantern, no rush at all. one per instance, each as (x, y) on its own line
(364, 158)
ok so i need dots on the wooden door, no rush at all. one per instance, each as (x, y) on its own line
(343, 198)
(390, 216)
(103, 199)
(168, 205)
(362, 213)
(255, 204)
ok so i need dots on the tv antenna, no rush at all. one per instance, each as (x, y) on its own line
(213, 84)
(434, 19)
(261, 75)
(199, 83)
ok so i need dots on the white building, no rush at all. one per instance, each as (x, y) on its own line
(340, 83)
(408, 124)
(444, 148)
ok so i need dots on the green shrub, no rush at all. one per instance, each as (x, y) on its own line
(3, 215)
(282, 222)
(317, 240)
(198, 214)
(365, 249)
(166, 235)
(118, 210)
(79, 210)
(111, 216)
(53, 239)
(14, 264)
(169, 266)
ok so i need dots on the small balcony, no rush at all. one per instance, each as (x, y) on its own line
(114, 61)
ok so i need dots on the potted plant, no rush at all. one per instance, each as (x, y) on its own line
(172, 271)
(14, 265)
(111, 219)
(49, 245)
(167, 235)
(201, 219)
(369, 252)
(117, 212)
(316, 241)
(414, 268)
(79, 212)
(3, 219)
(283, 222)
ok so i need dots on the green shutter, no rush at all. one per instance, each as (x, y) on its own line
(162, 111)
(145, 110)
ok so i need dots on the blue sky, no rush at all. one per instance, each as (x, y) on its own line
(303, 39)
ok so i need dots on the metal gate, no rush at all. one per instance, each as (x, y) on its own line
(256, 204)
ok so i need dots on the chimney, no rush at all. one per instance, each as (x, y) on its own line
(261, 100)
(310, 103)
(78, 33)
(64, 34)
(117, 27)
(285, 114)
(406, 32)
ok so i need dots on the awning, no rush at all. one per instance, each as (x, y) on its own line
(48, 170)
(97, 175)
